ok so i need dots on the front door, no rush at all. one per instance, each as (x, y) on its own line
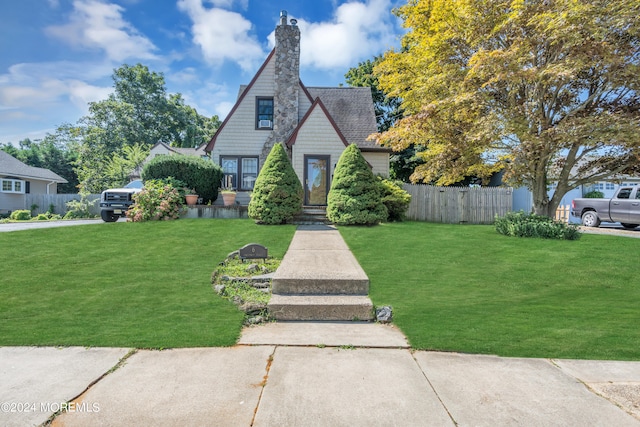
(316, 180)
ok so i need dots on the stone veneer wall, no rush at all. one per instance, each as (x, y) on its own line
(287, 85)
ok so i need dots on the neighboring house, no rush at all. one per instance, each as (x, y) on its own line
(315, 124)
(18, 179)
(162, 149)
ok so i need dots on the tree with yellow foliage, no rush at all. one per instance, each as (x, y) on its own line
(545, 89)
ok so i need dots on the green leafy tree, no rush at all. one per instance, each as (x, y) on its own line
(546, 89)
(277, 195)
(126, 164)
(355, 197)
(139, 111)
(387, 108)
(56, 152)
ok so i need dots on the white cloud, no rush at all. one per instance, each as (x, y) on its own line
(358, 31)
(222, 35)
(97, 25)
(42, 85)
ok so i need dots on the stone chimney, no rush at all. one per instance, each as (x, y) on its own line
(287, 82)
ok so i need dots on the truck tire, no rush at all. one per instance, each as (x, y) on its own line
(590, 219)
(628, 226)
(108, 216)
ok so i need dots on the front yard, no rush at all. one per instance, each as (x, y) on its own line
(469, 289)
(453, 288)
(124, 284)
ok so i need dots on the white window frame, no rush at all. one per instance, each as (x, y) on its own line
(13, 184)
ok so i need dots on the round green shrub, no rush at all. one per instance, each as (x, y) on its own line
(395, 199)
(355, 197)
(277, 195)
(21, 215)
(519, 224)
(156, 202)
(203, 176)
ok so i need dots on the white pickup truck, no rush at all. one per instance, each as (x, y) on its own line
(115, 202)
(623, 207)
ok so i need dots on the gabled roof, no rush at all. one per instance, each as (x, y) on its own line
(316, 104)
(352, 110)
(349, 108)
(10, 166)
(241, 96)
(180, 150)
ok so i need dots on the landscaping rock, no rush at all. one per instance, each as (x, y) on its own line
(256, 320)
(219, 289)
(384, 314)
(252, 268)
(260, 285)
(253, 307)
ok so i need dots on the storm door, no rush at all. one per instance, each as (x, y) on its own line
(316, 180)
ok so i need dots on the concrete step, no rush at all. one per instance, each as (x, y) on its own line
(310, 286)
(317, 271)
(311, 215)
(320, 307)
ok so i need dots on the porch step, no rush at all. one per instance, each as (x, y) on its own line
(321, 307)
(312, 215)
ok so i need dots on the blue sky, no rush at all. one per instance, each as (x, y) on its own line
(58, 55)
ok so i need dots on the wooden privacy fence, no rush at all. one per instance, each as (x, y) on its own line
(563, 213)
(458, 205)
(59, 202)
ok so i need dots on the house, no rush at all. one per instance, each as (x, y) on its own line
(18, 179)
(162, 149)
(316, 124)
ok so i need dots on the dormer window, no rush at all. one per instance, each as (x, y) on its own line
(264, 113)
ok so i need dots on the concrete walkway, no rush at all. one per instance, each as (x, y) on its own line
(311, 374)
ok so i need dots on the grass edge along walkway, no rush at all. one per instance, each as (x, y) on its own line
(468, 289)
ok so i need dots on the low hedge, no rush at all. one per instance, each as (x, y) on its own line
(519, 224)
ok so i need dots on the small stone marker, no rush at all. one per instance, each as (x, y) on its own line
(253, 251)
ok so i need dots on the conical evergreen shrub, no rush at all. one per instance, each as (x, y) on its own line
(277, 195)
(355, 197)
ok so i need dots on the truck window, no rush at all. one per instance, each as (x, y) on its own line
(624, 193)
(638, 194)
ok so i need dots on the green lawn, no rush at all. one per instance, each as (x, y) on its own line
(144, 285)
(469, 289)
(453, 288)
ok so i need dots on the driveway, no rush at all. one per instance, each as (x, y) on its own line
(30, 225)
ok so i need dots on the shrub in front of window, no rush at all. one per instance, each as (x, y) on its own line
(21, 215)
(277, 195)
(355, 197)
(156, 202)
(395, 199)
(201, 175)
(519, 224)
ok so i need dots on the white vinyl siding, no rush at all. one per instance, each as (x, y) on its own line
(316, 137)
(239, 137)
(378, 161)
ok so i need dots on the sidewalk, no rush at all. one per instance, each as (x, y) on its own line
(311, 374)
(312, 381)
